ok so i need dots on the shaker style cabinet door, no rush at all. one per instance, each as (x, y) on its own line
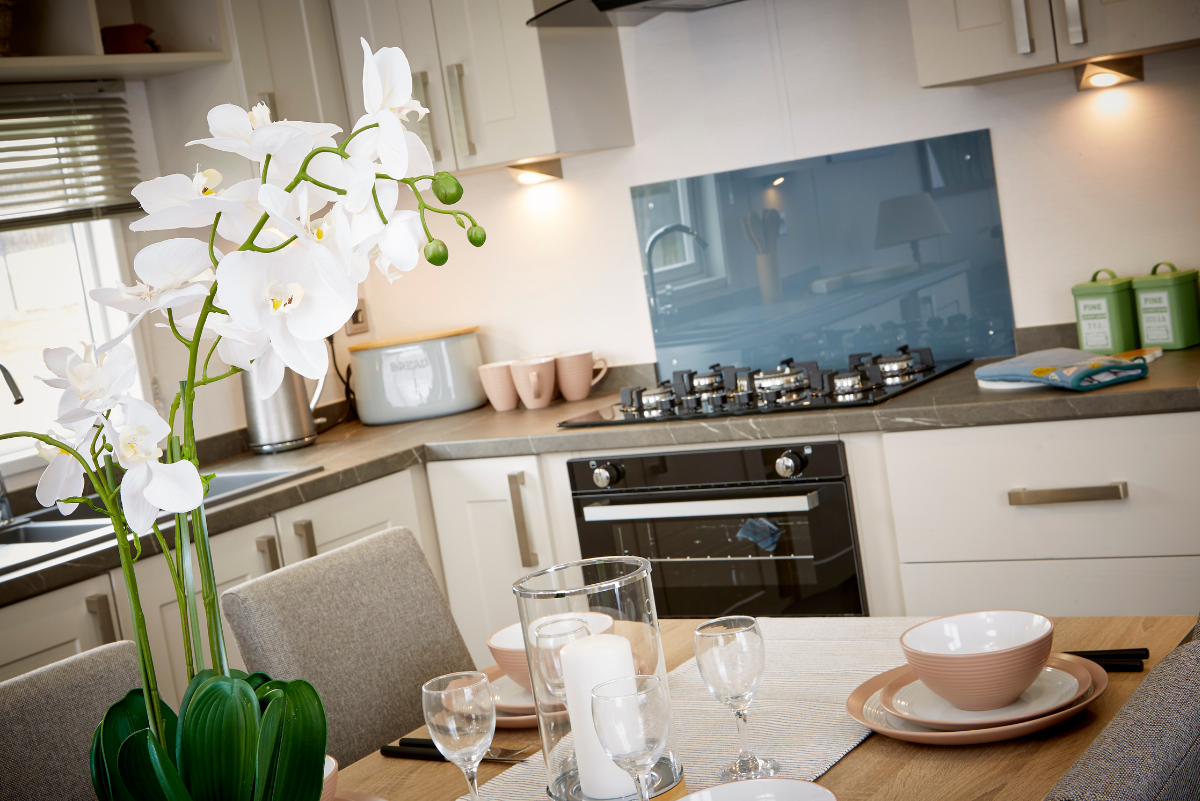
(238, 556)
(1090, 28)
(495, 83)
(407, 24)
(493, 529)
(46, 628)
(964, 41)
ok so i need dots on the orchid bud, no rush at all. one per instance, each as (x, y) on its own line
(446, 188)
(476, 235)
(436, 253)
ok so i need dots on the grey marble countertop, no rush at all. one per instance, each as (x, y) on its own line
(352, 454)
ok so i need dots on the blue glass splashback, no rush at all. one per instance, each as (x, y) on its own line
(823, 257)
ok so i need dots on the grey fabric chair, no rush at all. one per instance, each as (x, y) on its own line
(366, 624)
(1151, 750)
(47, 718)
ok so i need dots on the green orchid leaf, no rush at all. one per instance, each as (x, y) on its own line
(120, 721)
(300, 763)
(269, 735)
(99, 775)
(147, 771)
(256, 680)
(177, 743)
(220, 740)
(262, 690)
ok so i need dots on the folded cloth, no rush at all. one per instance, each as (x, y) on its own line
(761, 532)
(1066, 368)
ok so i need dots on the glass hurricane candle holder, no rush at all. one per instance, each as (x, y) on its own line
(614, 597)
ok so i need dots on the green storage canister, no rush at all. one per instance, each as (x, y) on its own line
(1168, 307)
(1104, 311)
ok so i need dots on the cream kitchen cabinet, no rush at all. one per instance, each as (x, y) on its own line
(238, 556)
(981, 518)
(498, 90)
(400, 499)
(57, 624)
(972, 41)
(493, 529)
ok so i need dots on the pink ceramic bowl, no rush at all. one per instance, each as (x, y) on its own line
(979, 660)
(509, 652)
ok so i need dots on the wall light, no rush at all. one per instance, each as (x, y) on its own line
(1102, 74)
(537, 172)
(777, 181)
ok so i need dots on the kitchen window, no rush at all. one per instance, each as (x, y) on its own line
(680, 264)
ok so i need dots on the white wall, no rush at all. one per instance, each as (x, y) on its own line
(1086, 180)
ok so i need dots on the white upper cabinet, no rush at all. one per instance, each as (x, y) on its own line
(972, 41)
(498, 91)
(962, 41)
(407, 24)
(1089, 28)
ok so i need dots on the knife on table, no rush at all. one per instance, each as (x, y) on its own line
(423, 748)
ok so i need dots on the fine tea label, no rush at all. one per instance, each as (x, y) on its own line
(1095, 327)
(1156, 317)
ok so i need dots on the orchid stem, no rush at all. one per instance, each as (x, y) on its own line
(212, 236)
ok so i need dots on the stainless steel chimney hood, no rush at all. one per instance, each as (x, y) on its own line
(612, 13)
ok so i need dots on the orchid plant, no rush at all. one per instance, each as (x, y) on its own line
(268, 305)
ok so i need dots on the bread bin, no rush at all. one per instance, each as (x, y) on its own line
(418, 376)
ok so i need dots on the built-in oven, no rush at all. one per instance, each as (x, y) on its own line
(765, 531)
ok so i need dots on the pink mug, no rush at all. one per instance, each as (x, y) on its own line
(575, 373)
(498, 385)
(535, 380)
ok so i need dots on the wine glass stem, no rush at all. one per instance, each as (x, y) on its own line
(743, 733)
(471, 772)
(643, 782)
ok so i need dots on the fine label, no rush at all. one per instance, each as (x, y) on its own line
(1156, 318)
(1094, 323)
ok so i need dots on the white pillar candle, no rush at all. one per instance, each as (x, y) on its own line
(587, 663)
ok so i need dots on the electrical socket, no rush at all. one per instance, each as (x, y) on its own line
(357, 324)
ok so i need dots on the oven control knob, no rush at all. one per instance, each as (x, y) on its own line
(790, 464)
(607, 474)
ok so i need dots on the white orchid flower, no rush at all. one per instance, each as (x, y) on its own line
(92, 382)
(166, 274)
(290, 296)
(291, 214)
(366, 146)
(252, 351)
(177, 201)
(395, 248)
(242, 212)
(63, 476)
(150, 487)
(253, 135)
(387, 98)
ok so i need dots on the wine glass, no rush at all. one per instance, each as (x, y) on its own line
(549, 639)
(729, 653)
(461, 716)
(632, 718)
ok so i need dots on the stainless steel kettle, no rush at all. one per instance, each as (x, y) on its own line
(284, 421)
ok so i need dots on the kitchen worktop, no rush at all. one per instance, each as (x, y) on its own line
(352, 454)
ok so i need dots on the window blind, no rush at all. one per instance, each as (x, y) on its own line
(64, 157)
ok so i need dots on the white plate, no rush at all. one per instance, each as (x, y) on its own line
(1051, 690)
(763, 790)
(512, 697)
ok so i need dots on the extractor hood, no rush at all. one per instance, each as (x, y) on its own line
(611, 13)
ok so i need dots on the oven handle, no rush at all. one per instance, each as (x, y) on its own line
(734, 506)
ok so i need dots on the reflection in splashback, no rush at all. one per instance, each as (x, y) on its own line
(823, 257)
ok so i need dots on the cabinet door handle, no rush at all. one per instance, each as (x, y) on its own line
(1021, 27)
(1116, 491)
(270, 546)
(528, 557)
(422, 79)
(304, 530)
(458, 89)
(98, 606)
(1075, 33)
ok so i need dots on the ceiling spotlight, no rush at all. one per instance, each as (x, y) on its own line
(1102, 74)
(537, 172)
(777, 181)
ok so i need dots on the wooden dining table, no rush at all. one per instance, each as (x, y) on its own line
(880, 768)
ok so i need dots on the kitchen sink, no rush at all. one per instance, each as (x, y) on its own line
(39, 535)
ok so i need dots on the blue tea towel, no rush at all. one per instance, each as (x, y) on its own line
(1066, 368)
(761, 532)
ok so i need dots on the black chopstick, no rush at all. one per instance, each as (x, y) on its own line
(1114, 653)
(1121, 665)
(413, 752)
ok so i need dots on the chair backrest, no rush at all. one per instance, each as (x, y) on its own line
(1151, 750)
(366, 624)
(48, 716)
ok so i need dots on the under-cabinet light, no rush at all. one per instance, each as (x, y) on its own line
(1102, 74)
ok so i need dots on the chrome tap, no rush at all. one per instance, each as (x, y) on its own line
(655, 311)
(6, 514)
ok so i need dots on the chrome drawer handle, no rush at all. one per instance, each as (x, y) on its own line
(733, 506)
(304, 530)
(1116, 491)
(458, 92)
(270, 546)
(98, 606)
(1075, 34)
(1021, 27)
(528, 557)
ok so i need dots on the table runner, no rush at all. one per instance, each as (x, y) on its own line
(799, 717)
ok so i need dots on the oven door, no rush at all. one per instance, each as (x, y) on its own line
(769, 551)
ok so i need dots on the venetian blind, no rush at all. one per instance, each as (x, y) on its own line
(65, 158)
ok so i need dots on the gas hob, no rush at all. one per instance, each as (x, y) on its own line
(790, 386)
